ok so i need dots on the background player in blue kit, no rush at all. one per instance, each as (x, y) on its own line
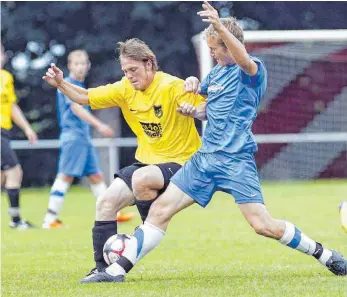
(78, 157)
(225, 162)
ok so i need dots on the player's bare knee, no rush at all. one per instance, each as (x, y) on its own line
(105, 206)
(14, 177)
(96, 178)
(141, 184)
(17, 173)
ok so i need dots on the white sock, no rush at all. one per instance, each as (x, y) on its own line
(145, 239)
(293, 238)
(98, 189)
(56, 200)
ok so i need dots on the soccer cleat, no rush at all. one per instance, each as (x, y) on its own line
(90, 273)
(125, 217)
(337, 264)
(22, 225)
(57, 224)
(102, 277)
(343, 215)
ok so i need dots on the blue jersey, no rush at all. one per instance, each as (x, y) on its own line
(71, 126)
(232, 104)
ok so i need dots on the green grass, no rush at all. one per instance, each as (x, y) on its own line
(206, 252)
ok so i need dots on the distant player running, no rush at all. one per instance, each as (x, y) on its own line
(149, 100)
(77, 157)
(225, 162)
(11, 171)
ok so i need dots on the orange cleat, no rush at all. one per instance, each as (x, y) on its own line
(57, 224)
(125, 217)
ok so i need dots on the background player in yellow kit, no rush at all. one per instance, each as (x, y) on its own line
(11, 171)
(149, 100)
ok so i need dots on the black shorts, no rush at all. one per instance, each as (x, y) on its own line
(8, 156)
(168, 170)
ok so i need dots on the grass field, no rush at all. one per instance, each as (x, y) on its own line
(206, 252)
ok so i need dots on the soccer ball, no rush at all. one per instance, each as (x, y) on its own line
(114, 247)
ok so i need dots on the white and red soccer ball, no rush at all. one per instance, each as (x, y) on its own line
(114, 247)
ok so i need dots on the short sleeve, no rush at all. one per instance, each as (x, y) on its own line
(11, 92)
(256, 79)
(107, 96)
(181, 95)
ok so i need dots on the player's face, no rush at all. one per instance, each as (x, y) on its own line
(78, 67)
(140, 74)
(219, 52)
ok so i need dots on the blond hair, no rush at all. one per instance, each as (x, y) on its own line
(137, 50)
(76, 53)
(232, 26)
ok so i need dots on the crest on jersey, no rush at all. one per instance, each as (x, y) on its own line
(158, 111)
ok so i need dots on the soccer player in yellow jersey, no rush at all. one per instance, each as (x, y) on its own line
(151, 102)
(11, 171)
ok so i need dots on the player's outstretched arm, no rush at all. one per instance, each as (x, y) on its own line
(20, 120)
(55, 77)
(86, 116)
(235, 47)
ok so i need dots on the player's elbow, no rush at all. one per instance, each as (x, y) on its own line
(248, 66)
(82, 100)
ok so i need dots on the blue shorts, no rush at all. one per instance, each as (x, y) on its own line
(206, 173)
(78, 158)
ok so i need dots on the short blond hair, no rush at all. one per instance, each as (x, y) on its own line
(75, 53)
(137, 50)
(232, 26)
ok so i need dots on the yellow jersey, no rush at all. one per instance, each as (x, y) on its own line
(8, 97)
(163, 134)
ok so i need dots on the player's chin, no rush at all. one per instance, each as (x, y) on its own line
(136, 86)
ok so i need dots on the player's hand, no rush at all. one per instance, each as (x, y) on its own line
(106, 130)
(54, 76)
(210, 15)
(31, 135)
(187, 109)
(192, 84)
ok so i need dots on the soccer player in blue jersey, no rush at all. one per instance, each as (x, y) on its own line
(225, 162)
(77, 156)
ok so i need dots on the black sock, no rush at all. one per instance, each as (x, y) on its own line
(13, 196)
(102, 231)
(318, 251)
(143, 206)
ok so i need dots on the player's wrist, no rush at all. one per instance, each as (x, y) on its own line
(62, 85)
(221, 29)
(27, 130)
(100, 126)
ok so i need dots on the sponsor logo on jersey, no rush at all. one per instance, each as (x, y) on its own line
(153, 130)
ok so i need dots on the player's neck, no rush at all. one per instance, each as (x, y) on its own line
(228, 61)
(74, 77)
(150, 80)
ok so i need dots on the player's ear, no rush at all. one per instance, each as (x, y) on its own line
(89, 65)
